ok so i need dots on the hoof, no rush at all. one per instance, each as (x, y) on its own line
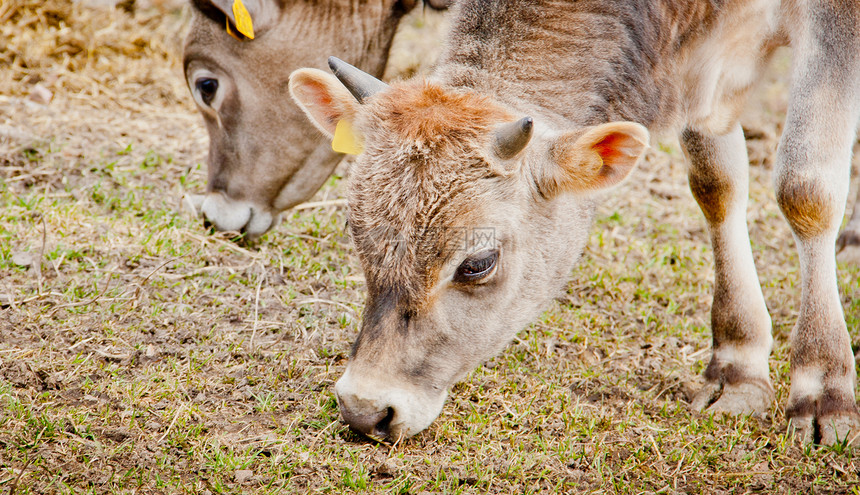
(738, 399)
(832, 429)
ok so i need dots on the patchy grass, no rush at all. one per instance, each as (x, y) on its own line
(141, 354)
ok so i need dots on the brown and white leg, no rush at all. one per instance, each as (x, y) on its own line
(812, 174)
(736, 380)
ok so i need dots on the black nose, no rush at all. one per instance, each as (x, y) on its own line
(375, 425)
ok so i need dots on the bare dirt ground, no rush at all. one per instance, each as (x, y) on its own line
(139, 354)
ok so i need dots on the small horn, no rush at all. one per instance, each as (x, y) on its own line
(511, 138)
(361, 84)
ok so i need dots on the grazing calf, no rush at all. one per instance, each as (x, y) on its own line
(536, 105)
(264, 157)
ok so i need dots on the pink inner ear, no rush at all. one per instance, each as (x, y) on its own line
(319, 101)
(614, 148)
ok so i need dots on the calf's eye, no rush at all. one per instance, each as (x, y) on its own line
(477, 267)
(207, 87)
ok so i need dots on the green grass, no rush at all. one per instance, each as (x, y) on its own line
(140, 351)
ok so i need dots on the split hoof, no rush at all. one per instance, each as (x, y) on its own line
(832, 429)
(737, 399)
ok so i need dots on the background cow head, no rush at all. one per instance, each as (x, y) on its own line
(264, 156)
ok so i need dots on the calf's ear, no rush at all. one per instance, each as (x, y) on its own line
(596, 158)
(323, 98)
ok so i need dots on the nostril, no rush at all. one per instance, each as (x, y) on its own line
(375, 425)
(383, 428)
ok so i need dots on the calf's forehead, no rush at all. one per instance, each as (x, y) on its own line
(422, 182)
(430, 117)
(405, 240)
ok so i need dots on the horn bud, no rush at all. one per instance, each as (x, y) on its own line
(361, 84)
(512, 137)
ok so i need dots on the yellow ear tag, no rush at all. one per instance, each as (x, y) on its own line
(345, 140)
(243, 19)
(231, 33)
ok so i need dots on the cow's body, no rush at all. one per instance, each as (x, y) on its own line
(264, 157)
(642, 61)
(580, 69)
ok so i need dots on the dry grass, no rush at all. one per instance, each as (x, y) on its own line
(139, 354)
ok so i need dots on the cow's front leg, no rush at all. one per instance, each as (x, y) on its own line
(736, 380)
(812, 174)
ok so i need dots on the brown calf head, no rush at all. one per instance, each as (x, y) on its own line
(455, 209)
(264, 157)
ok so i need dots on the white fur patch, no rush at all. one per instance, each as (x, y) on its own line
(227, 214)
(807, 382)
(749, 358)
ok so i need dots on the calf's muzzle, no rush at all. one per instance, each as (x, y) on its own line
(382, 406)
(224, 213)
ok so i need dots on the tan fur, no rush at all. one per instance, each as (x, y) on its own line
(431, 117)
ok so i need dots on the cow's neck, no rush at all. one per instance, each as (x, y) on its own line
(579, 62)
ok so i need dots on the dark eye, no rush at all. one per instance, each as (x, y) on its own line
(476, 267)
(207, 87)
